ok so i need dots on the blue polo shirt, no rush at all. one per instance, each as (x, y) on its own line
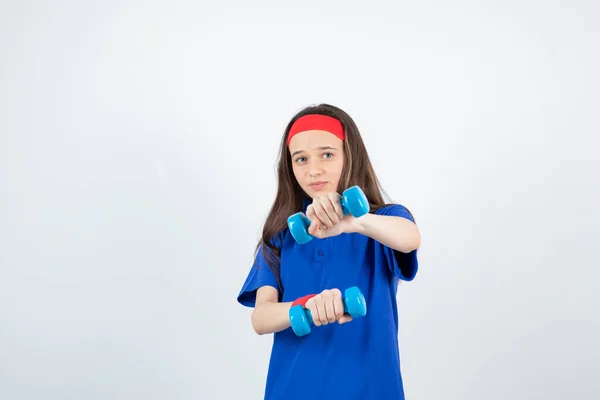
(357, 360)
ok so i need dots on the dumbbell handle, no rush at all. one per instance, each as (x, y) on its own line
(307, 223)
(309, 314)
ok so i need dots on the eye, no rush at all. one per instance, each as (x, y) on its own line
(328, 154)
(299, 159)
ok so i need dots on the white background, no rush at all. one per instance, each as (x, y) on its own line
(137, 163)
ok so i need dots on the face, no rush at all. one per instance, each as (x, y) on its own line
(317, 161)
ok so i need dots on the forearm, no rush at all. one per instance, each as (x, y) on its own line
(271, 317)
(395, 232)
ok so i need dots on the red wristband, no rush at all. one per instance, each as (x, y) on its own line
(302, 300)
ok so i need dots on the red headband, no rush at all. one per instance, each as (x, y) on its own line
(316, 122)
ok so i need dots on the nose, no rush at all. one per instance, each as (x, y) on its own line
(315, 169)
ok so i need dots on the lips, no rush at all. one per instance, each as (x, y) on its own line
(317, 185)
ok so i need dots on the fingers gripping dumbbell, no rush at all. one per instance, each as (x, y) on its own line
(353, 202)
(354, 305)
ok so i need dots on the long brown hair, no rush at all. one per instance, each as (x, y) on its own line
(289, 199)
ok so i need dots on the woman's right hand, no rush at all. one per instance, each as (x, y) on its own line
(327, 307)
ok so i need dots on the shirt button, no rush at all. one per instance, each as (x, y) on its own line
(321, 253)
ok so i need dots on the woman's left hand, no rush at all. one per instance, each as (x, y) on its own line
(326, 217)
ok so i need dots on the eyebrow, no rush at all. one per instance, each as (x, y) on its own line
(318, 148)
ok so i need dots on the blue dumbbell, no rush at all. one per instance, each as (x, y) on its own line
(354, 305)
(353, 202)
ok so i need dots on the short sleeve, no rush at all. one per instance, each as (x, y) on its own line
(402, 265)
(260, 275)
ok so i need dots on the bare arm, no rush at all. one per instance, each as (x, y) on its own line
(395, 232)
(327, 220)
(269, 315)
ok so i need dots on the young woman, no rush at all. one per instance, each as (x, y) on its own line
(322, 154)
